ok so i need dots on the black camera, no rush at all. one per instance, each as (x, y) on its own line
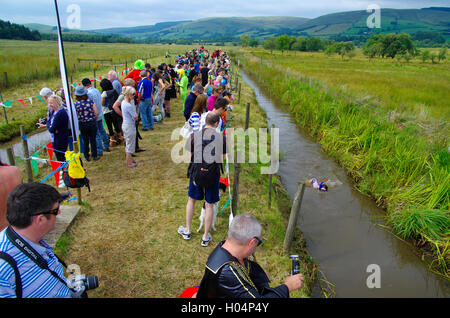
(81, 284)
(41, 121)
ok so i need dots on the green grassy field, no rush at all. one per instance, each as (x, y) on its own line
(415, 89)
(26, 61)
(399, 158)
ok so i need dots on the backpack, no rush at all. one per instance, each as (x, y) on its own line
(73, 174)
(204, 174)
(75, 183)
(112, 97)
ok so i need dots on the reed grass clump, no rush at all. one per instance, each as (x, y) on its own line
(418, 223)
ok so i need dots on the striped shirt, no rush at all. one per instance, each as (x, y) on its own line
(36, 282)
(194, 121)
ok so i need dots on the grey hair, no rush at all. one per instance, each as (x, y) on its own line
(243, 228)
(198, 88)
(112, 75)
(128, 90)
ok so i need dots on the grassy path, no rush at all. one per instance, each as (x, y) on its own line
(127, 232)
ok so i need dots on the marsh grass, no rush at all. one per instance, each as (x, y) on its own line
(416, 89)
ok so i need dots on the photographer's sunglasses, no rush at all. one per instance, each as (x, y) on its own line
(54, 211)
(258, 239)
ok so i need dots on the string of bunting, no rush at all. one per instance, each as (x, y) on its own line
(9, 103)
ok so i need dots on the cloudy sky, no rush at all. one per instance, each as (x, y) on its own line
(97, 14)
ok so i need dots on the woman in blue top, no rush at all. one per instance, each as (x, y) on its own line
(87, 120)
(58, 127)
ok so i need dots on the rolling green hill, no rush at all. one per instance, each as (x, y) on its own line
(392, 21)
(350, 25)
(211, 28)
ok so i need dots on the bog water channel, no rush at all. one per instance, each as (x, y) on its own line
(341, 226)
(34, 140)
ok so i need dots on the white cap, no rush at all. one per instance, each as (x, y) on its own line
(45, 92)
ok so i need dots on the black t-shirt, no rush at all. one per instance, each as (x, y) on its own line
(209, 146)
(204, 72)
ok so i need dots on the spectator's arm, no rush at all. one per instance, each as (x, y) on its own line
(116, 108)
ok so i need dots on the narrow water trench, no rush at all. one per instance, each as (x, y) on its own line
(341, 226)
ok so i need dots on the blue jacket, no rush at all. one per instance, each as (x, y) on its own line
(188, 105)
(60, 125)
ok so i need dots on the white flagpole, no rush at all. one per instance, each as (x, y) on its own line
(62, 65)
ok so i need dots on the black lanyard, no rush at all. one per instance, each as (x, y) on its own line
(31, 253)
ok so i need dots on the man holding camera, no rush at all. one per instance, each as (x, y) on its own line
(28, 266)
(230, 274)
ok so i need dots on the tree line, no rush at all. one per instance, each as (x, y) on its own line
(13, 31)
(399, 46)
(83, 37)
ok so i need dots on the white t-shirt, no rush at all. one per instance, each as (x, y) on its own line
(105, 107)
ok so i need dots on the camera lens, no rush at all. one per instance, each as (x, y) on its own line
(91, 282)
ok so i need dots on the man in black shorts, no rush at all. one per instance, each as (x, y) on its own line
(205, 146)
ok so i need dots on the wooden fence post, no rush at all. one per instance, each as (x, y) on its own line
(295, 210)
(26, 155)
(10, 155)
(235, 195)
(95, 81)
(247, 116)
(239, 96)
(4, 108)
(6, 80)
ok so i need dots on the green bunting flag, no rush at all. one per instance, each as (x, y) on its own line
(8, 104)
(34, 162)
(39, 96)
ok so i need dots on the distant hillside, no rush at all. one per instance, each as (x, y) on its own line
(392, 21)
(425, 24)
(211, 28)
